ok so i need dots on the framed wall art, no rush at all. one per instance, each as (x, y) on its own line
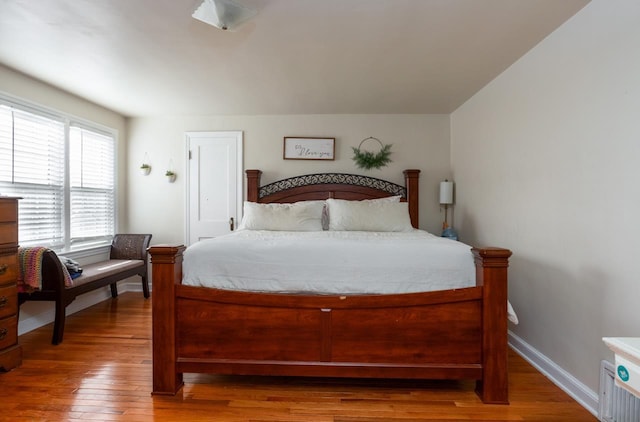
(304, 148)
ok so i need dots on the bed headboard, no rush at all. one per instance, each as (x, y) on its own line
(334, 185)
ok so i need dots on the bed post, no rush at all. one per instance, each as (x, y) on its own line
(253, 185)
(411, 182)
(491, 274)
(166, 273)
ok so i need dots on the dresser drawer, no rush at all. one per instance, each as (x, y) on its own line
(8, 233)
(8, 301)
(8, 211)
(8, 331)
(8, 269)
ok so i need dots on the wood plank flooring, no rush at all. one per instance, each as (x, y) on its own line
(102, 371)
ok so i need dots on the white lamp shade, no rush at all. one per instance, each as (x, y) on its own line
(446, 192)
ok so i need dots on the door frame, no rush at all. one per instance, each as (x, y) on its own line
(188, 136)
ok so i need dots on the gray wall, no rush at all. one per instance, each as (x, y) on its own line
(546, 163)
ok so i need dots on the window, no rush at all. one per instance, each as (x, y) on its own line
(65, 173)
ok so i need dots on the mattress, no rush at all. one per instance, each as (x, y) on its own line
(329, 262)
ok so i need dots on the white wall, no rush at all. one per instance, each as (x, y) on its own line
(155, 206)
(546, 163)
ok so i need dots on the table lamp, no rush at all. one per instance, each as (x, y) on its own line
(446, 199)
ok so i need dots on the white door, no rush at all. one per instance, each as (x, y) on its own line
(214, 183)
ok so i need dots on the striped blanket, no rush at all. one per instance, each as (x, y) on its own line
(30, 274)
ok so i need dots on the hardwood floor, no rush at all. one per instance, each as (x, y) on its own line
(102, 371)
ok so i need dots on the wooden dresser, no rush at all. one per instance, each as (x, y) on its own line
(10, 350)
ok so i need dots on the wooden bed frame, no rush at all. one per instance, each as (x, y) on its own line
(452, 334)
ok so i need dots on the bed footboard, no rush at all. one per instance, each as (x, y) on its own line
(449, 334)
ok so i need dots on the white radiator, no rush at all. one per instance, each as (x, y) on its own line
(615, 403)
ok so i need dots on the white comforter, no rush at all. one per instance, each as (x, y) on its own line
(329, 262)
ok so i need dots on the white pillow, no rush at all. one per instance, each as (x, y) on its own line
(298, 216)
(385, 199)
(325, 214)
(369, 215)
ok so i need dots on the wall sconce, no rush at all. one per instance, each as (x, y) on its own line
(446, 199)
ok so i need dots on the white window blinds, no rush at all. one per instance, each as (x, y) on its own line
(92, 185)
(36, 152)
(32, 166)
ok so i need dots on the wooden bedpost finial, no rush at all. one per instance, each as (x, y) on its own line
(411, 178)
(253, 184)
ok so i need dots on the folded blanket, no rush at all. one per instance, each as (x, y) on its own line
(30, 274)
(73, 267)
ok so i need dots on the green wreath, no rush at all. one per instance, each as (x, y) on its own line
(369, 160)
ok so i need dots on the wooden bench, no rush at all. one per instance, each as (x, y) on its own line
(128, 257)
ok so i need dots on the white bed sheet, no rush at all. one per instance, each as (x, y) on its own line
(330, 262)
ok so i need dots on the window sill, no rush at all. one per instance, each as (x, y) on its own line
(79, 254)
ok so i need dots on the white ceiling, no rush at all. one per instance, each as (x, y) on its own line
(150, 57)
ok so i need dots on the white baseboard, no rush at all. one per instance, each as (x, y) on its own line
(131, 286)
(567, 382)
(43, 313)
